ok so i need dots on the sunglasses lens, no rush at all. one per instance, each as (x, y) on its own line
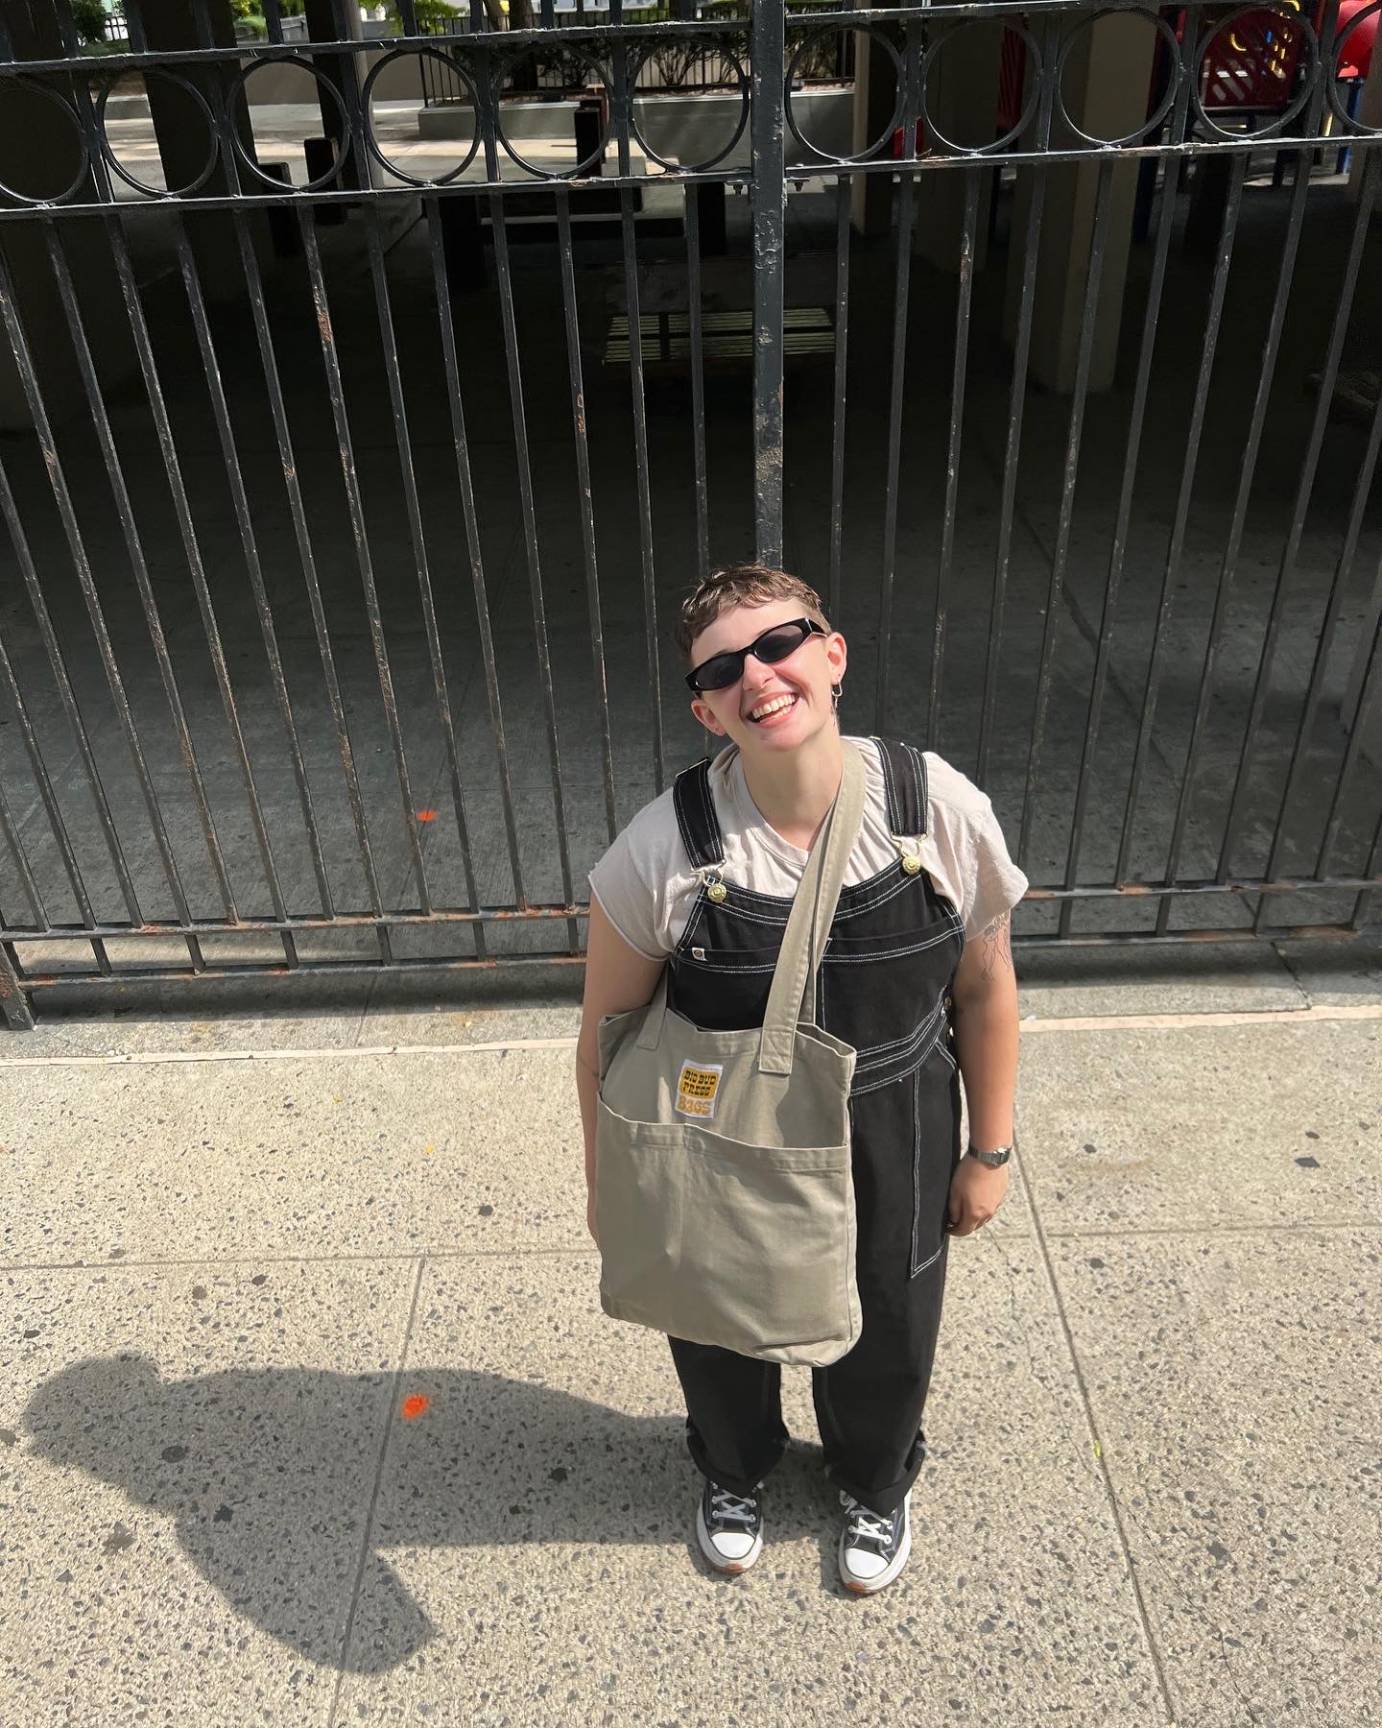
(778, 644)
(719, 673)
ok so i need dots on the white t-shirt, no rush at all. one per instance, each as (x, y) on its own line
(647, 885)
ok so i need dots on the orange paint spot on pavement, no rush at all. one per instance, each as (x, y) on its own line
(426, 815)
(415, 1406)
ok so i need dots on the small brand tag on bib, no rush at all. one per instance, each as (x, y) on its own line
(697, 1088)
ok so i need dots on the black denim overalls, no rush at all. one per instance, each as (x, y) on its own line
(884, 987)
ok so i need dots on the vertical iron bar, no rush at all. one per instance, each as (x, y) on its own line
(62, 497)
(413, 503)
(10, 511)
(1122, 524)
(1367, 702)
(622, 118)
(767, 49)
(1213, 318)
(645, 494)
(1083, 359)
(592, 578)
(153, 391)
(225, 431)
(837, 447)
(50, 804)
(525, 490)
(293, 485)
(906, 194)
(911, 103)
(1022, 347)
(451, 364)
(10, 830)
(1304, 487)
(952, 465)
(694, 323)
(1228, 567)
(335, 386)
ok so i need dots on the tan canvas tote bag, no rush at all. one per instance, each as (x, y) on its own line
(724, 1199)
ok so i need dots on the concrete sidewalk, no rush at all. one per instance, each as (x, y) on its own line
(308, 1412)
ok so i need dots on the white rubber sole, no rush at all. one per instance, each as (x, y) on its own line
(871, 1586)
(731, 1568)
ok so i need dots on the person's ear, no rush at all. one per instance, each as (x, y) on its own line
(705, 714)
(836, 656)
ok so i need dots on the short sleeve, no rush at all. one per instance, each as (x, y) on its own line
(993, 883)
(625, 889)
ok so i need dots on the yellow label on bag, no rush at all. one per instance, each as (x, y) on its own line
(696, 1089)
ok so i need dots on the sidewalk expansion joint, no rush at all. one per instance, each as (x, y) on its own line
(249, 1257)
(1038, 1024)
(1096, 1232)
(1111, 1493)
(367, 1535)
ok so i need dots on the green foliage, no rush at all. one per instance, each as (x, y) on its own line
(434, 17)
(250, 14)
(89, 16)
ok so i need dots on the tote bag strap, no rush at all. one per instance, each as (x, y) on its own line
(813, 909)
(793, 993)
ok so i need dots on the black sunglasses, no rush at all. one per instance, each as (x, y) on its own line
(776, 643)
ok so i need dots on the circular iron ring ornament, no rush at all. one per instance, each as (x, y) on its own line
(1358, 128)
(895, 119)
(366, 89)
(77, 127)
(596, 155)
(1297, 21)
(710, 161)
(1024, 119)
(323, 83)
(108, 149)
(1149, 126)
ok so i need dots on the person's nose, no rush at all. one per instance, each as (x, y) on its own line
(756, 677)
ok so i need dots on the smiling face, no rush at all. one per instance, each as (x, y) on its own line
(771, 707)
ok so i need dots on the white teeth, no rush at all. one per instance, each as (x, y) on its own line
(771, 707)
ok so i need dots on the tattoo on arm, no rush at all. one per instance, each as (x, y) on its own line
(995, 947)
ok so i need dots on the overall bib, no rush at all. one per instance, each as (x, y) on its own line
(884, 987)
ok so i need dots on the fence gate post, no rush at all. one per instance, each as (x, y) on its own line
(769, 195)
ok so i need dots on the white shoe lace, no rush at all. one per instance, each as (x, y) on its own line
(867, 1526)
(730, 1508)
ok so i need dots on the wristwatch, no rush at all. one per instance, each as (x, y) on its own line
(1000, 1155)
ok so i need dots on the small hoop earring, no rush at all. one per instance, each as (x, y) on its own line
(835, 692)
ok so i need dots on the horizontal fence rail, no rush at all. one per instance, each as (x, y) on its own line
(352, 470)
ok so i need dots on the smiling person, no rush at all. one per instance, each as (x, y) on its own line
(917, 977)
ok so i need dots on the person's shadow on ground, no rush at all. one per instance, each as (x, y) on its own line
(268, 1476)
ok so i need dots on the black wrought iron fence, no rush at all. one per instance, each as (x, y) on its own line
(339, 558)
(669, 66)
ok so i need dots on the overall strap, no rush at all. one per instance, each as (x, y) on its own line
(792, 997)
(904, 778)
(696, 820)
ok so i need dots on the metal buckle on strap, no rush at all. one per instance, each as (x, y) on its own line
(911, 861)
(713, 883)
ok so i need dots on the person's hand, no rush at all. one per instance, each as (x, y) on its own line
(590, 1213)
(976, 1193)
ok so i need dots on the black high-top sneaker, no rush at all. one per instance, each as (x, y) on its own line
(729, 1528)
(873, 1547)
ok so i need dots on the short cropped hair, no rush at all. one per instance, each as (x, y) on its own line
(742, 585)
